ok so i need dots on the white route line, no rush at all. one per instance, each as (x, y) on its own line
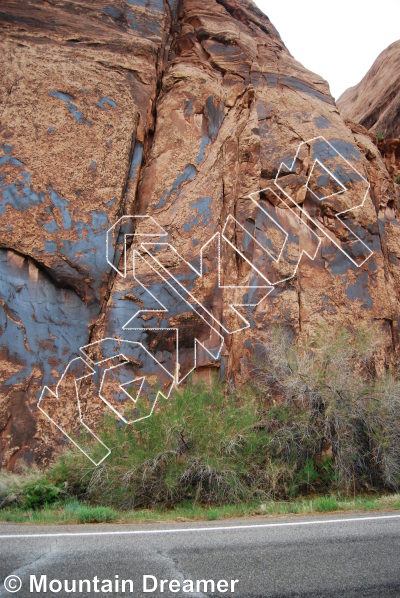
(160, 232)
(318, 240)
(219, 528)
(145, 246)
(92, 372)
(326, 232)
(156, 231)
(140, 379)
(199, 273)
(57, 397)
(164, 309)
(117, 341)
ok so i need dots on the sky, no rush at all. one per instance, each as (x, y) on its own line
(339, 40)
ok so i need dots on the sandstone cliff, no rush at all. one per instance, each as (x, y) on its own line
(375, 101)
(181, 111)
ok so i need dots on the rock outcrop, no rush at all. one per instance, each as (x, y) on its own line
(375, 101)
(171, 120)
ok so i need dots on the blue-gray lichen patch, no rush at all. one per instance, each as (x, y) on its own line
(16, 190)
(359, 290)
(188, 174)
(113, 12)
(43, 325)
(106, 103)
(321, 122)
(75, 240)
(214, 114)
(77, 114)
(203, 215)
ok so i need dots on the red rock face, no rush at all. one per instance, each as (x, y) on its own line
(375, 104)
(375, 101)
(182, 112)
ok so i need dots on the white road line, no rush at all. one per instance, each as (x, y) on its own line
(221, 528)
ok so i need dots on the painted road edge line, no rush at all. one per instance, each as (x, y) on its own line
(219, 528)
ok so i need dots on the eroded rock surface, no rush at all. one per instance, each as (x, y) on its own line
(182, 111)
(375, 101)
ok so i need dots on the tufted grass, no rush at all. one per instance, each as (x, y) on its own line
(75, 512)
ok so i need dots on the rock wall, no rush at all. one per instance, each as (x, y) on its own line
(375, 101)
(170, 120)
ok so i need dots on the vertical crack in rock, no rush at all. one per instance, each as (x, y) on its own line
(127, 203)
(161, 66)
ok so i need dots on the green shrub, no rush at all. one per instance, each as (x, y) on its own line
(379, 136)
(201, 445)
(315, 420)
(366, 504)
(37, 494)
(398, 179)
(212, 514)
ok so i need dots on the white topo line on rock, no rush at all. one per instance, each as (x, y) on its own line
(156, 231)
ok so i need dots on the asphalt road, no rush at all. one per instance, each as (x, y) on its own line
(341, 555)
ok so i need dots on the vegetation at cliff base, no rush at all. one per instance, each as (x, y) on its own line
(317, 421)
(74, 511)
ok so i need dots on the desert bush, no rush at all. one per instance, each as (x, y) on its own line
(338, 423)
(38, 493)
(201, 445)
(315, 420)
(382, 418)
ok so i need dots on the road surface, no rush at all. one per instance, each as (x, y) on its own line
(328, 556)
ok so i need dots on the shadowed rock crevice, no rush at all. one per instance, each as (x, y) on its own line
(140, 148)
